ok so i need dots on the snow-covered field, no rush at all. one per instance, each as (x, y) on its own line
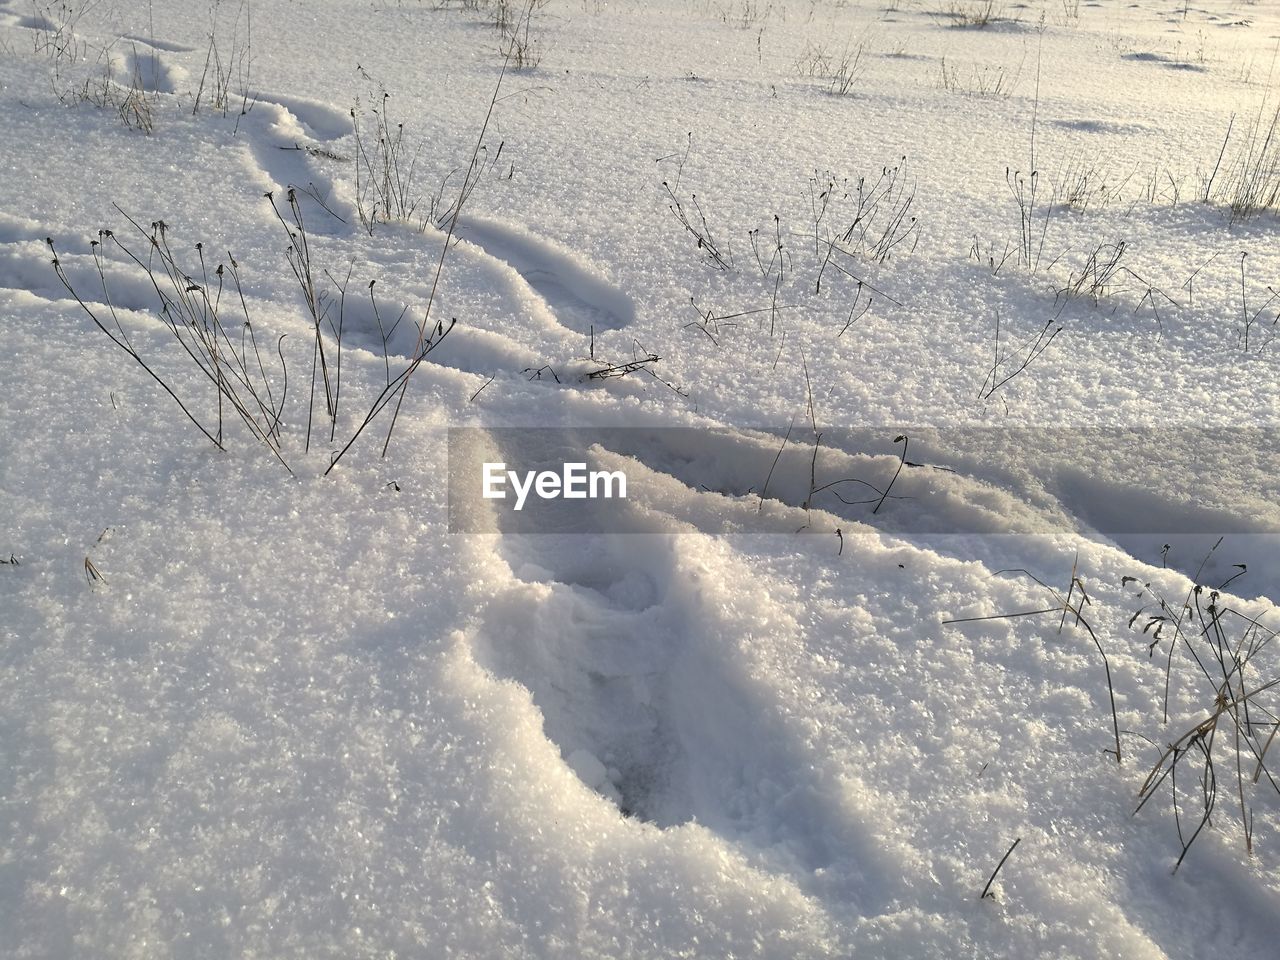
(941, 335)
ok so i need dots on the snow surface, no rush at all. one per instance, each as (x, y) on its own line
(297, 717)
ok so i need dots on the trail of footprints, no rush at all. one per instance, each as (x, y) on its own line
(297, 141)
(629, 645)
(624, 646)
(632, 646)
(285, 135)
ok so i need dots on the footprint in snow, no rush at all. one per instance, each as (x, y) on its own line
(632, 647)
(574, 290)
(143, 63)
(164, 45)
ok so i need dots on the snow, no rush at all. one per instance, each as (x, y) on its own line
(361, 712)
